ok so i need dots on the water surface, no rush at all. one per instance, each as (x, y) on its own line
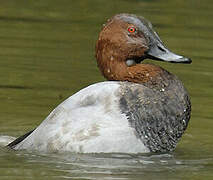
(47, 54)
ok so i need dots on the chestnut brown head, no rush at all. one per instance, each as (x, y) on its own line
(125, 41)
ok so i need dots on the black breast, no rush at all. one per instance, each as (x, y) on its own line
(159, 111)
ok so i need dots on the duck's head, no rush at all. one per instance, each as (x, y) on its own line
(126, 40)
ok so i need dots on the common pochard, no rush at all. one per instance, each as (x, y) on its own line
(141, 108)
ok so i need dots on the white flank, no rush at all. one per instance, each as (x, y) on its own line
(90, 121)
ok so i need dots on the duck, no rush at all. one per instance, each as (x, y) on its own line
(141, 108)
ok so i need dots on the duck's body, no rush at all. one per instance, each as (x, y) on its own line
(115, 117)
(146, 109)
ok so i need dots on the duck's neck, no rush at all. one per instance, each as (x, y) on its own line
(143, 73)
(139, 73)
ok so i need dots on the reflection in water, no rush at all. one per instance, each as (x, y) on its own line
(5, 140)
(47, 54)
(109, 166)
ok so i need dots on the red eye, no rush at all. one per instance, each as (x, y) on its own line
(131, 29)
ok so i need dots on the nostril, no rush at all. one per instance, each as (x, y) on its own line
(161, 49)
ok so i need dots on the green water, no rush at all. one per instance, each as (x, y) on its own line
(47, 54)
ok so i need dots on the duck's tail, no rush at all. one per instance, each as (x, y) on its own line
(19, 139)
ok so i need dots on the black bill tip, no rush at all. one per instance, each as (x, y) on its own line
(185, 60)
